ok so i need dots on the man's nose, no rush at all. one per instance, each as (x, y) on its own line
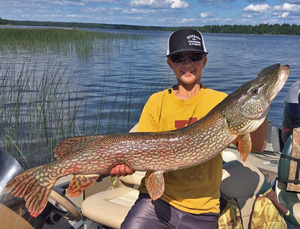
(186, 59)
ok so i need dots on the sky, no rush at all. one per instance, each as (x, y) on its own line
(155, 12)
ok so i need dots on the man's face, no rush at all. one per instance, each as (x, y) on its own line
(187, 66)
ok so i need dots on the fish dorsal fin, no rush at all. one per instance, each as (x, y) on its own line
(80, 183)
(244, 145)
(72, 145)
(155, 184)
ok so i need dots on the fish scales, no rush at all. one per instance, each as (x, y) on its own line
(239, 114)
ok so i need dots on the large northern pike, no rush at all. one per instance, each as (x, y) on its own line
(239, 114)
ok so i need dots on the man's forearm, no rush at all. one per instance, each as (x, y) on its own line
(260, 137)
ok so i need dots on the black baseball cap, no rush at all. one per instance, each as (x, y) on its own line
(186, 40)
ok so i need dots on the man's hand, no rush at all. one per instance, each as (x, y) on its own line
(121, 170)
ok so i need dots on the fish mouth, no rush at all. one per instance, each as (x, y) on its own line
(283, 74)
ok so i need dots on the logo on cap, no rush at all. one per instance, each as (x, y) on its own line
(194, 40)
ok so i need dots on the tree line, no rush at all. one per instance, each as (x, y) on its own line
(274, 29)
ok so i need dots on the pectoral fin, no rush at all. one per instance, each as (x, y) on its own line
(244, 146)
(155, 184)
(79, 183)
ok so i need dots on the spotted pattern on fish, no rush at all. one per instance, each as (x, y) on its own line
(239, 114)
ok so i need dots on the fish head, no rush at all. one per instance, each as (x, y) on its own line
(249, 104)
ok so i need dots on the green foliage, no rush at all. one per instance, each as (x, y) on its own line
(39, 111)
(33, 112)
(283, 29)
(275, 29)
(40, 103)
(63, 41)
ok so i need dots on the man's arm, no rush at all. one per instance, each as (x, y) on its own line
(260, 137)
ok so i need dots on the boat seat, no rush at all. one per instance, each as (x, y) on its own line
(290, 199)
(244, 182)
(228, 155)
(110, 207)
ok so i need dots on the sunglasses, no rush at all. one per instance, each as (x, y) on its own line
(180, 57)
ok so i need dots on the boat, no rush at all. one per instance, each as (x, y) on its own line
(106, 203)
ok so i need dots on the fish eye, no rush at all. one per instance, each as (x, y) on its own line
(254, 91)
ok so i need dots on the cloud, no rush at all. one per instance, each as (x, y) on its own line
(284, 15)
(75, 16)
(257, 8)
(136, 11)
(287, 12)
(96, 10)
(216, 1)
(99, 1)
(206, 15)
(255, 0)
(173, 4)
(50, 16)
(79, 2)
(178, 4)
(287, 7)
(247, 21)
(137, 18)
(67, 3)
(247, 16)
(185, 20)
(143, 2)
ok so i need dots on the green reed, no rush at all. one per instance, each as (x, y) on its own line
(32, 109)
(41, 105)
(63, 41)
(38, 109)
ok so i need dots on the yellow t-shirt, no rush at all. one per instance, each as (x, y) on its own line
(196, 189)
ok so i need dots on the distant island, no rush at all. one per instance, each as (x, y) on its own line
(273, 29)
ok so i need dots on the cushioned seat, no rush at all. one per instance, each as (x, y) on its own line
(243, 181)
(289, 199)
(110, 207)
(227, 156)
(240, 180)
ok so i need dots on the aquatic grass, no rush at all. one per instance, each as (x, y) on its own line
(32, 110)
(38, 111)
(63, 41)
(40, 104)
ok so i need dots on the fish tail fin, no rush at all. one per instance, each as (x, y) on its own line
(37, 200)
(25, 185)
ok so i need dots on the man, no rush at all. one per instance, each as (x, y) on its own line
(191, 196)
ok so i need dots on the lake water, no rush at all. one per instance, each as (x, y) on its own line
(232, 60)
(120, 82)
